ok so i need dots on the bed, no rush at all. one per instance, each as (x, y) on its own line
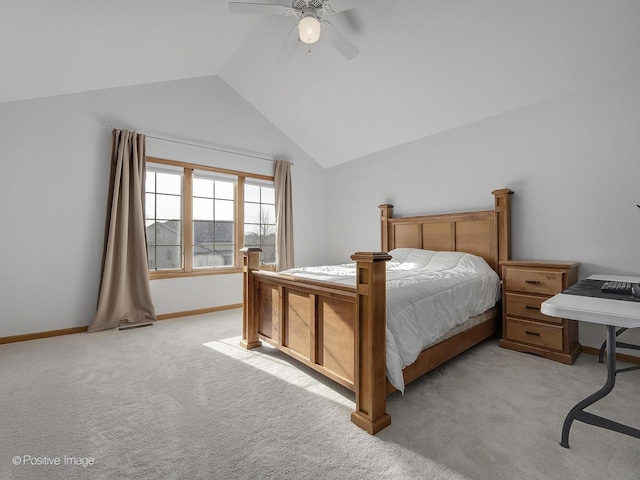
(339, 328)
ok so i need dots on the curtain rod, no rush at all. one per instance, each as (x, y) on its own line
(210, 147)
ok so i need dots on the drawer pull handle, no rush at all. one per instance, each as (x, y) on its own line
(535, 334)
(532, 282)
(531, 307)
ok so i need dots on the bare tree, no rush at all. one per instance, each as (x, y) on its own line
(267, 224)
(263, 236)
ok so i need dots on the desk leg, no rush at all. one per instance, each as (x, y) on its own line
(578, 413)
(618, 344)
(621, 345)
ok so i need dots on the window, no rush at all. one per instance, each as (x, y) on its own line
(260, 219)
(213, 221)
(163, 214)
(194, 216)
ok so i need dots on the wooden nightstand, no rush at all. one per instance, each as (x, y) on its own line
(525, 285)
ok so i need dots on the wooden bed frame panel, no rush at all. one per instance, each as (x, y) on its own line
(340, 330)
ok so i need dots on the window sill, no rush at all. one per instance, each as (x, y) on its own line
(158, 275)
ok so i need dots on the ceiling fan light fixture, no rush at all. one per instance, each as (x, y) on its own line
(309, 29)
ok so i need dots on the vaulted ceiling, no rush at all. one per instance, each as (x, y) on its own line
(424, 66)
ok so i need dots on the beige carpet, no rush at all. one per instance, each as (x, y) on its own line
(180, 400)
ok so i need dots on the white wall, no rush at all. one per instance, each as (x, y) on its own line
(55, 155)
(572, 162)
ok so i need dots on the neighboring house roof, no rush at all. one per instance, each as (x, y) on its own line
(205, 232)
(170, 228)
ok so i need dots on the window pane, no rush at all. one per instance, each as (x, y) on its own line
(268, 254)
(223, 255)
(214, 244)
(252, 213)
(203, 232)
(150, 206)
(224, 190)
(224, 210)
(268, 214)
(166, 233)
(202, 209)
(150, 181)
(251, 235)
(251, 193)
(151, 233)
(163, 217)
(151, 257)
(268, 234)
(260, 218)
(168, 207)
(203, 255)
(169, 183)
(202, 187)
(268, 195)
(212, 255)
(251, 229)
(224, 232)
(168, 257)
(269, 241)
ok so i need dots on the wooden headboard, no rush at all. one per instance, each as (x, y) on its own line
(484, 233)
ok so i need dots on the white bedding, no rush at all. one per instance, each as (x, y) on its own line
(428, 294)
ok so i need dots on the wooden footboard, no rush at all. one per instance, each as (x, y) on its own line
(340, 331)
(337, 330)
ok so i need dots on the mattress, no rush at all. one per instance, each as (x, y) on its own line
(429, 294)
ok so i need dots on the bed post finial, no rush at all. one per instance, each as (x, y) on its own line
(250, 262)
(386, 212)
(503, 224)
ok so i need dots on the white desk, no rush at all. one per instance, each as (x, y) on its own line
(612, 313)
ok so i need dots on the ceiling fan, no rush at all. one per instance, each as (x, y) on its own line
(311, 22)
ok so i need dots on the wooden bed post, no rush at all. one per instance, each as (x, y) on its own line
(370, 342)
(386, 212)
(250, 262)
(503, 224)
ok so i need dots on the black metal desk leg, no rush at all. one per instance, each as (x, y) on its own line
(604, 345)
(576, 412)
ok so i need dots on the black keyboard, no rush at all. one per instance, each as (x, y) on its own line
(616, 287)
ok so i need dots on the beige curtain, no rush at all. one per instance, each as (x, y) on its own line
(284, 216)
(125, 296)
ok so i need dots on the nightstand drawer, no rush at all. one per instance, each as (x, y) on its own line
(528, 306)
(534, 333)
(544, 282)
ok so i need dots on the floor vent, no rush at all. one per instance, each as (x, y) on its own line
(138, 325)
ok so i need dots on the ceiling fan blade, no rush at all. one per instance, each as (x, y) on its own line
(263, 8)
(289, 47)
(337, 38)
(336, 6)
